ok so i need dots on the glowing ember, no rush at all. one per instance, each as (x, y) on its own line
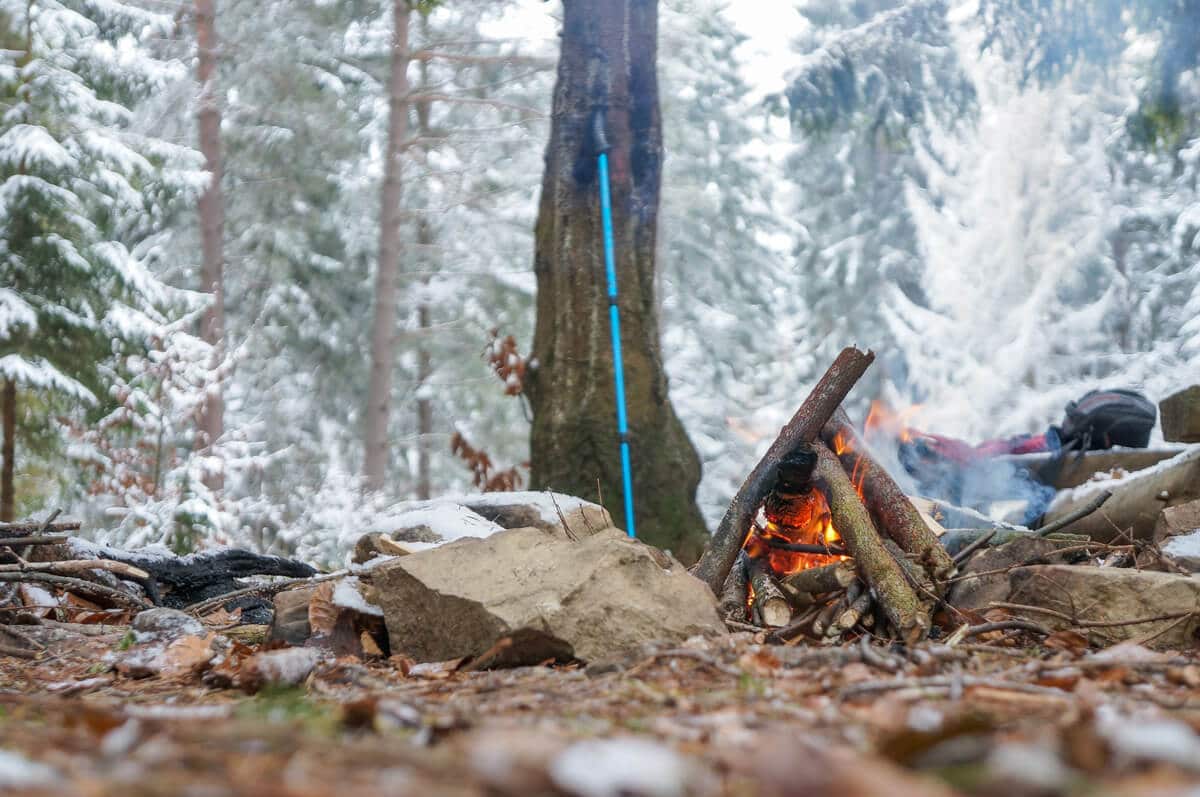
(807, 522)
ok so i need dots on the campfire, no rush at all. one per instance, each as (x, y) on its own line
(820, 540)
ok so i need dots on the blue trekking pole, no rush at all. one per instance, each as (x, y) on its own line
(614, 314)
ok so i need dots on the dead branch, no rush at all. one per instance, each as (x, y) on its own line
(260, 590)
(804, 427)
(1020, 607)
(21, 542)
(889, 506)
(1077, 515)
(75, 566)
(876, 566)
(36, 528)
(948, 682)
(86, 589)
(1005, 625)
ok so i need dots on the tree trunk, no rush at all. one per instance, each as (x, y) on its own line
(212, 223)
(8, 499)
(424, 373)
(574, 442)
(383, 323)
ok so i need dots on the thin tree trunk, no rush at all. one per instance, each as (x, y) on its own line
(212, 223)
(8, 499)
(574, 442)
(424, 373)
(383, 324)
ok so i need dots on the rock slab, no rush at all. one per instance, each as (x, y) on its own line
(1107, 594)
(601, 595)
(1180, 414)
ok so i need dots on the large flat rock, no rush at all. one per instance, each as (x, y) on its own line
(1111, 595)
(602, 595)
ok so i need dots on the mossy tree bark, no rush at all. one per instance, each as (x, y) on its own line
(574, 438)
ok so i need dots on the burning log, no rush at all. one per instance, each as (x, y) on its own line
(768, 604)
(878, 569)
(804, 427)
(816, 580)
(887, 503)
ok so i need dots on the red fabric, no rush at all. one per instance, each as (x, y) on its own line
(954, 450)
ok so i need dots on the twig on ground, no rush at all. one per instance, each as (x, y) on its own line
(1090, 623)
(1005, 625)
(965, 553)
(77, 585)
(683, 653)
(947, 682)
(259, 590)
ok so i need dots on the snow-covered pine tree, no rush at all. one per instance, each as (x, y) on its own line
(84, 197)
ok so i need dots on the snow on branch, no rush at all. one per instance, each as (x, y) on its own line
(38, 373)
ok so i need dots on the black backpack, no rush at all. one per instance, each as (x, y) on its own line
(1106, 418)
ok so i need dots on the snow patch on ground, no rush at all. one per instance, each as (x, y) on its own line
(616, 767)
(1184, 545)
(347, 595)
(1150, 739)
(17, 771)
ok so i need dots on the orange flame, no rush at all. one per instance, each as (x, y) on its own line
(882, 419)
(812, 526)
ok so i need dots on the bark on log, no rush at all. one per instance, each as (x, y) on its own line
(894, 514)
(35, 527)
(876, 566)
(77, 566)
(771, 608)
(1136, 500)
(804, 427)
(816, 580)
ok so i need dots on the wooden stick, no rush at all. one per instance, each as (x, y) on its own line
(875, 565)
(1077, 515)
(734, 594)
(892, 510)
(769, 605)
(853, 613)
(75, 566)
(78, 585)
(35, 528)
(804, 427)
(815, 580)
(20, 542)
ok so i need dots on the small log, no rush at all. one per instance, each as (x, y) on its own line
(735, 594)
(97, 592)
(1136, 500)
(826, 616)
(815, 580)
(876, 566)
(889, 506)
(849, 618)
(771, 608)
(7, 529)
(804, 427)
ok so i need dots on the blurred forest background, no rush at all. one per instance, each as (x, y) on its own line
(998, 196)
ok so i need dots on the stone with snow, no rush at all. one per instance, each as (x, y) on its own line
(1184, 550)
(422, 524)
(165, 623)
(601, 595)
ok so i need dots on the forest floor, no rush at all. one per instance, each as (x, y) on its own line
(719, 716)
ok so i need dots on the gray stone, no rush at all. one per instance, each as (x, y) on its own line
(290, 622)
(978, 591)
(1107, 594)
(602, 595)
(1180, 414)
(166, 623)
(1184, 551)
(1179, 519)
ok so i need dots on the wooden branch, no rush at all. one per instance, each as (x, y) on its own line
(816, 580)
(734, 594)
(852, 614)
(770, 606)
(77, 585)
(21, 542)
(804, 427)
(881, 573)
(260, 590)
(34, 528)
(1075, 515)
(892, 510)
(75, 566)
(803, 547)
